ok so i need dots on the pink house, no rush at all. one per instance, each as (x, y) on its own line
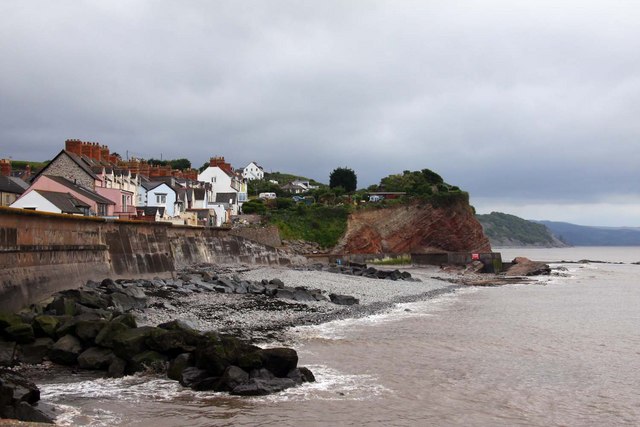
(120, 187)
(98, 205)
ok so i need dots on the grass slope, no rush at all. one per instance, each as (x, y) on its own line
(509, 230)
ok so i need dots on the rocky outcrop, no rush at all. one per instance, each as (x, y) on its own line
(19, 399)
(413, 228)
(525, 267)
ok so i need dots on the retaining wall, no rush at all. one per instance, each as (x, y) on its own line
(41, 253)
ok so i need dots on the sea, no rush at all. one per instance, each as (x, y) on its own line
(563, 351)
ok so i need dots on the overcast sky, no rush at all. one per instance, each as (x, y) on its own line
(533, 107)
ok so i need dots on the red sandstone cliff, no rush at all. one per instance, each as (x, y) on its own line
(413, 228)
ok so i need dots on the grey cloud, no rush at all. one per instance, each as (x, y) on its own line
(532, 101)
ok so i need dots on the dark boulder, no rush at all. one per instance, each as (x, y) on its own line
(279, 283)
(127, 319)
(62, 305)
(256, 288)
(21, 333)
(343, 299)
(8, 353)
(191, 376)
(66, 350)
(106, 336)
(123, 302)
(148, 360)
(35, 352)
(232, 377)
(131, 341)
(178, 365)
(173, 342)
(45, 325)
(260, 387)
(285, 293)
(217, 353)
(20, 388)
(280, 360)
(303, 295)
(17, 397)
(301, 375)
(95, 358)
(88, 330)
(117, 368)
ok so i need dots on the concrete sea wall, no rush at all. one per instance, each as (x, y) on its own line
(42, 253)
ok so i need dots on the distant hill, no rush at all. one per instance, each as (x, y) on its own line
(504, 230)
(581, 235)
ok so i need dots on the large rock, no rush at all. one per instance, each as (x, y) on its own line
(123, 302)
(301, 375)
(17, 397)
(35, 352)
(95, 358)
(7, 353)
(88, 330)
(45, 325)
(20, 388)
(343, 299)
(173, 342)
(280, 360)
(148, 360)
(106, 336)
(215, 355)
(192, 376)
(66, 350)
(178, 365)
(20, 333)
(260, 387)
(232, 377)
(131, 341)
(117, 368)
(525, 267)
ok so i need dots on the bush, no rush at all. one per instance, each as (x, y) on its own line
(254, 207)
(284, 203)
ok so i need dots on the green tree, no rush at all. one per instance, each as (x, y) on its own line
(345, 178)
(181, 164)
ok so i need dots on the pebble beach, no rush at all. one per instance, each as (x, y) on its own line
(259, 317)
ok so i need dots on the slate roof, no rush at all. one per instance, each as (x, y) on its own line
(81, 190)
(64, 201)
(76, 159)
(225, 197)
(9, 184)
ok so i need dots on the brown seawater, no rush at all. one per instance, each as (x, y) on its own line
(566, 353)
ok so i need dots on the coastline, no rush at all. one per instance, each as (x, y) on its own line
(260, 318)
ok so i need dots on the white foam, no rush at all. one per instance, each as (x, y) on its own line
(133, 388)
(340, 329)
(332, 385)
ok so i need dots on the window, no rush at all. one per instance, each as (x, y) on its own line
(124, 202)
(102, 209)
(161, 198)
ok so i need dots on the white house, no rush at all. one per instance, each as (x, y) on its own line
(161, 195)
(221, 180)
(253, 171)
(52, 201)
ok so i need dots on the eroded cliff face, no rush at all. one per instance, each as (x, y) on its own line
(413, 228)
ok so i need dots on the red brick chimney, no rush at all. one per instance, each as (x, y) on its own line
(73, 146)
(5, 167)
(219, 162)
